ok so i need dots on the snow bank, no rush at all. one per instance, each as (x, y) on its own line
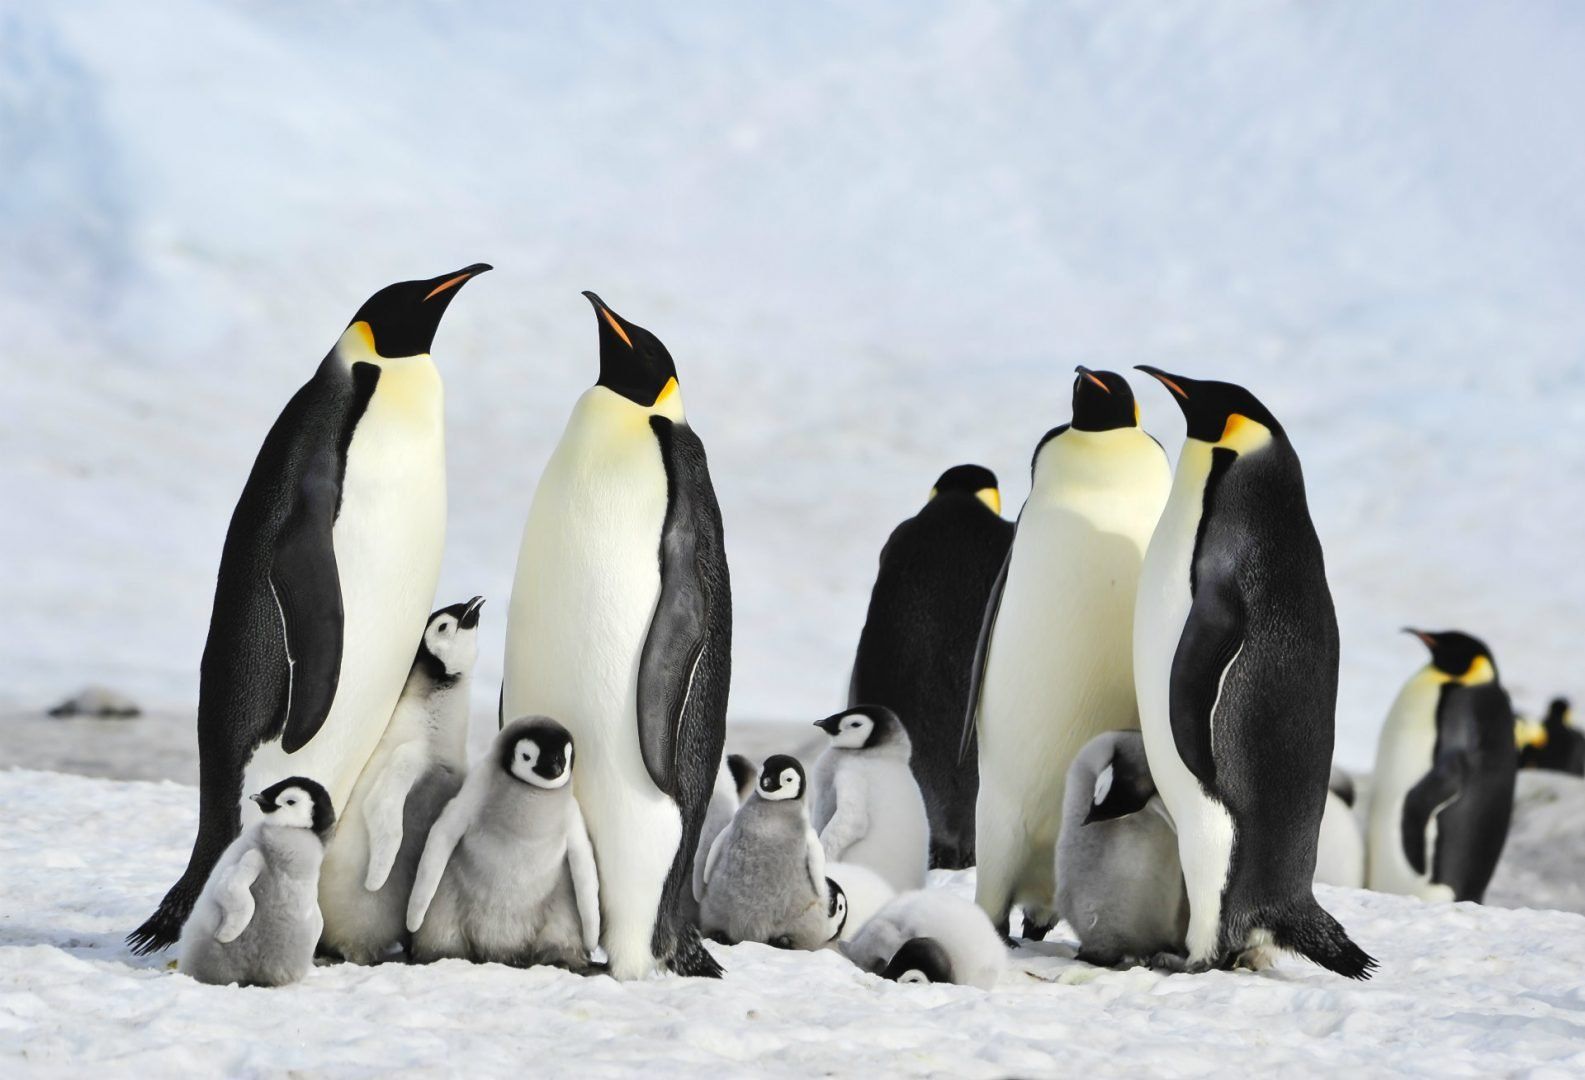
(1462, 989)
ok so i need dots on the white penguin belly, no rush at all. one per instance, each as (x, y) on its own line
(587, 582)
(389, 536)
(897, 843)
(1340, 849)
(1405, 754)
(1205, 829)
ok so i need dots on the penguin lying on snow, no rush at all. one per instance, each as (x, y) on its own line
(929, 935)
(1556, 744)
(257, 920)
(867, 805)
(416, 769)
(864, 891)
(765, 877)
(508, 874)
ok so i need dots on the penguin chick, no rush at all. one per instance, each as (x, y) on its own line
(508, 873)
(1119, 883)
(963, 948)
(867, 805)
(765, 878)
(257, 920)
(865, 892)
(728, 794)
(1340, 849)
(415, 770)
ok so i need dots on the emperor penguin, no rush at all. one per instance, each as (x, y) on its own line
(1120, 886)
(621, 628)
(326, 578)
(1555, 743)
(508, 874)
(864, 891)
(764, 878)
(917, 646)
(416, 769)
(867, 805)
(256, 922)
(1235, 659)
(929, 935)
(731, 788)
(1053, 667)
(1340, 849)
(1442, 795)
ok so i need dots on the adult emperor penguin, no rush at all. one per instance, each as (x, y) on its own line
(914, 655)
(621, 627)
(326, 578)
(1235, 658)
(1443, 790)
(1054, 667)
(1555, 743)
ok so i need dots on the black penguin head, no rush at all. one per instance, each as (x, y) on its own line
(973, 480)
(1458, 655)
(920, 960)
(781, 777)
(1102, 401)
(401, 319)
(743, 774)
(836, 910)
(298, 802)
(450, 643)
(633, 362)
(1123, 785)
(863, 727)
(1215, 412)
(537, 751)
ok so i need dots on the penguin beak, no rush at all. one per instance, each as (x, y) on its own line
(1428, 640)
(830, 724)
(470, 614)
(446, 283)
(611, 324)
(257, 798)
(1090, 375)
(1174, 383)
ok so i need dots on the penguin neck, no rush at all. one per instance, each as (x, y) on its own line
(893, 749)
(409, 383)
(1075, 464)
(603, 409)
(442, 712)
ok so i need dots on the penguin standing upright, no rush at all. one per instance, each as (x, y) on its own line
(914, 655)
(326, 578)
(1054, 666)
(1235, 657)
(621, 627)
(867, 806)
(1555, 743)
(1443, 790)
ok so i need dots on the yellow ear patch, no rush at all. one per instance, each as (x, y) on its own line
(989, 496)
(1136, 413)
(365, 333)
(933, 494)
(1528, 733)
(619, 331)
(666, 391)
(1243, 434)
(1479, 672)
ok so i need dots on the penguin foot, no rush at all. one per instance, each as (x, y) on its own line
(1176, 963)
(691, 957)
(159, 931)
(1037, 931)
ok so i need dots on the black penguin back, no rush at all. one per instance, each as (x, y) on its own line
(1475, 723)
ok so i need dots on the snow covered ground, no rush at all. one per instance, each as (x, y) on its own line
(1463, 990)
(876, 238)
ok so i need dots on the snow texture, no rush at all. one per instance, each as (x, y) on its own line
(877, 238)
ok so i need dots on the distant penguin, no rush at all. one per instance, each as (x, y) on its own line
(917, 647)
(508, 874)
(1442, 794)
(866, 892)
(1235, 658)
(326, 578)
(867, 805)
(765, 878)
(621, 627)
(1556, 744)
(417, 768)
(929, 935)
(731, 788)
(1340, 848)
(256, 922)
(1054, 668)
(1119, 883)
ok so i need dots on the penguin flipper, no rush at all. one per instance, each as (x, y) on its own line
(1435, 790)
(1213, 636)
(585, 876)
(307, 590)
(982, 648)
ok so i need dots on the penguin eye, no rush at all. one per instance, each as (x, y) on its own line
(443, 626)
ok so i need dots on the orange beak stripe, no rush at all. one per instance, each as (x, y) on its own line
(617, 327)
(1096, 381)
(1174, 387)
(444, 285)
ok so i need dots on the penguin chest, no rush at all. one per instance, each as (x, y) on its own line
(1404, 755)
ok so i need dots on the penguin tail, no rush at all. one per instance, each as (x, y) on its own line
(1312, 933)
(159, 931)
(690, 957)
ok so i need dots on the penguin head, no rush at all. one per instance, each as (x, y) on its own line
(633, 362)
(863, 727)
(1558, 714)
(1102, 401)
(836, 909)
(974, 480)
(298, 803)
(1224, 414)
(920, 960)
(781, 777)
(1457, 655)
(401, 319)
(451, 641)
(743, 774)
(537, 751)
(1123, 785)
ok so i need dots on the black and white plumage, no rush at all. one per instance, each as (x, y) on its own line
(416, 769)
(958, 944)
(865, 892)
(917, 647)
(256, 922)
(867, 805)
(1555, 743)
(1442, 794)
(508, 873)
(326, 579)
(764, 878)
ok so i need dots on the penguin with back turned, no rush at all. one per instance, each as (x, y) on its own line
(621, 628)
(1442, 794)
(1235, 659)
(326, 578)
(917, 646)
